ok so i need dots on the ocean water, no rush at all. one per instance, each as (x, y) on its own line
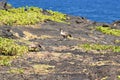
(95, 10)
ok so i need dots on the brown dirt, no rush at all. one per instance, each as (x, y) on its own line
(58, 59)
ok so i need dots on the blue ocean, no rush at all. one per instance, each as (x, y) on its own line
(95, 10)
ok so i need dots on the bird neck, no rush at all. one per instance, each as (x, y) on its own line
(61, 31)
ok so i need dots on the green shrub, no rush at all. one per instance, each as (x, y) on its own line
(10, 50)
(5, 60)
(108, 30)
(57, 16)
(33, 15)
(9, 47)
(9, 5)
(100, 47)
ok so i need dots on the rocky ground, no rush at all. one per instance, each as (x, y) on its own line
(60, 59)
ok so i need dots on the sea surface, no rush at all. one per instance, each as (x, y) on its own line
(95, 10)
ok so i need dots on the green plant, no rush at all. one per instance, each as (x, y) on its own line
(57, 16)
(108, 30)
(10, 50)
(100, 47)
(118, 77)
(9, 47)
(117, 41)
(5, 60)
(105, 78)
(33, 15)
(9, 5)
(17, 70)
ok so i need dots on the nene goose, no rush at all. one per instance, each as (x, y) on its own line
(64, 34)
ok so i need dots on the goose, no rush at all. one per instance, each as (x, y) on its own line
(64, 34)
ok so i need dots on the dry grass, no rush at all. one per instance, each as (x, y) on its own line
(43, 68)
(107, 62)
(29, 35)
(46, 37)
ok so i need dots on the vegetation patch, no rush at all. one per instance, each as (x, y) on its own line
(118, 77)
(57, 16)
(43, 68)
(6, 60)
(105, 62)
(9, 5)
(100, 47)
(46, 37)
(105, 78)
(9, 47)
(28, 16)
(117, 41)
(10, 50)
(29, 35)
(108, 30)
(16, 71)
